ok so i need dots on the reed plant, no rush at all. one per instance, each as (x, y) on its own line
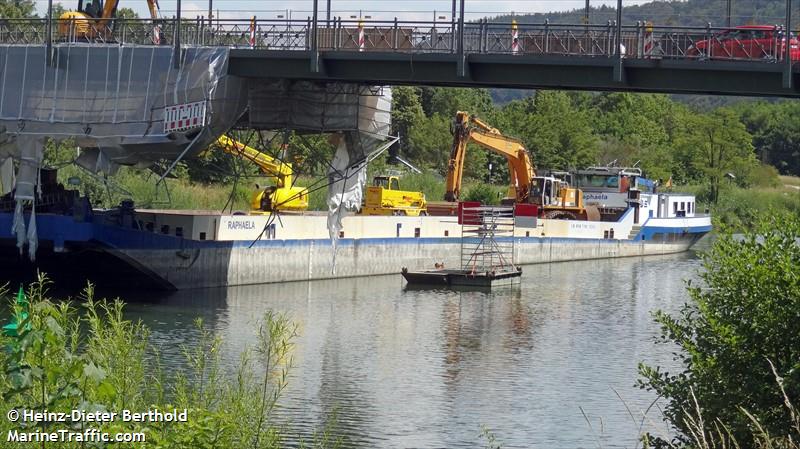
(67, 355)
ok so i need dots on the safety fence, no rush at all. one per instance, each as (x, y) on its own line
(639, 41)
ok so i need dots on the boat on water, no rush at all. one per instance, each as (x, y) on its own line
(174, 249)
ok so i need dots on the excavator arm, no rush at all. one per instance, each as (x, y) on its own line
(152, 5)
(471, 129)
(110, 10)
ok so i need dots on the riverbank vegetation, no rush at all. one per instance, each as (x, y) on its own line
(738, 343)
(739, 159)
(66, 355)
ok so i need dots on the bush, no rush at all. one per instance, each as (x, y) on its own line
(741, 321)
(484, 193)
(65, 358)
(764, 175)
(431, 184)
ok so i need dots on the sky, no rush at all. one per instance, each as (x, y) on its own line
(377, 9)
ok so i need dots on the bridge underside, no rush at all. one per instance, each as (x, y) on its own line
(741, 78)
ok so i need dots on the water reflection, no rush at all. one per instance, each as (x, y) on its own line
(426, 368)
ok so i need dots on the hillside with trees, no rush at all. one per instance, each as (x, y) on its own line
(675, 12)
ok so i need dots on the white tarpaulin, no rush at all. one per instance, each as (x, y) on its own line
(347, 178)
(345, 186)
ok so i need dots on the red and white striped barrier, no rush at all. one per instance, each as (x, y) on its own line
(651, 49)
(514, 37)
(157, 35)
(253, 32)
(362, 41)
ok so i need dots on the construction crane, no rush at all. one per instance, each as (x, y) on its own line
(95, 20)
(555, 198)
(281, 197)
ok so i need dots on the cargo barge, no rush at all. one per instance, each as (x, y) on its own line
(194, 249)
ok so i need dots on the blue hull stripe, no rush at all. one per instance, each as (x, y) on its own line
(63, 229)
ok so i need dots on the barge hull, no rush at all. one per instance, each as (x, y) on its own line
(182, 263)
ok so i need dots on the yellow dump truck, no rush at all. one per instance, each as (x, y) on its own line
(384, 197)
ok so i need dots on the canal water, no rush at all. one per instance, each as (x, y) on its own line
(549, 364)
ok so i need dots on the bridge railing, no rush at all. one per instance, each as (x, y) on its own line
(765, 44)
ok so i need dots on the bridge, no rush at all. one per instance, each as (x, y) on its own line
(637, 57)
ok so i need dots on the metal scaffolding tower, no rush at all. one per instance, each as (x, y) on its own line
(487, 240)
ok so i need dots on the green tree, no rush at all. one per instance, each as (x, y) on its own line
(714, 145)
(556, 134)
(448, 101)
(406, 113)
(742, 319)
(430, 142)
(638, 128)
(127, 13)
(776, 133)
(58, 10)
(17, 9)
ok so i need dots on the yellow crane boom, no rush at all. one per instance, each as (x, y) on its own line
(284, 195)
(269, 165)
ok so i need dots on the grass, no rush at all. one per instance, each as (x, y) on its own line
(738, 208)
(68, 355)
(717, 435)
(792, 182)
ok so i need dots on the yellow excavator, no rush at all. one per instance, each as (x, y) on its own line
(95, 20)
(555, 198)
(281, 197)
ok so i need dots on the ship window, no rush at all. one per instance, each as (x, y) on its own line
(149, 226)
(202, 236)
(447, 233)
(416, 232)
(675, 207)
(598, 181)
(683, 205)
(179, 231)
(341, 234)
(527, 233)
(605, 234)
(165, 229)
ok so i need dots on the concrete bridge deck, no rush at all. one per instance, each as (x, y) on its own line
(638, 58)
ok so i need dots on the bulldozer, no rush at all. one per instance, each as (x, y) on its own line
(283, 196)
(553, 196)
(384, 197)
